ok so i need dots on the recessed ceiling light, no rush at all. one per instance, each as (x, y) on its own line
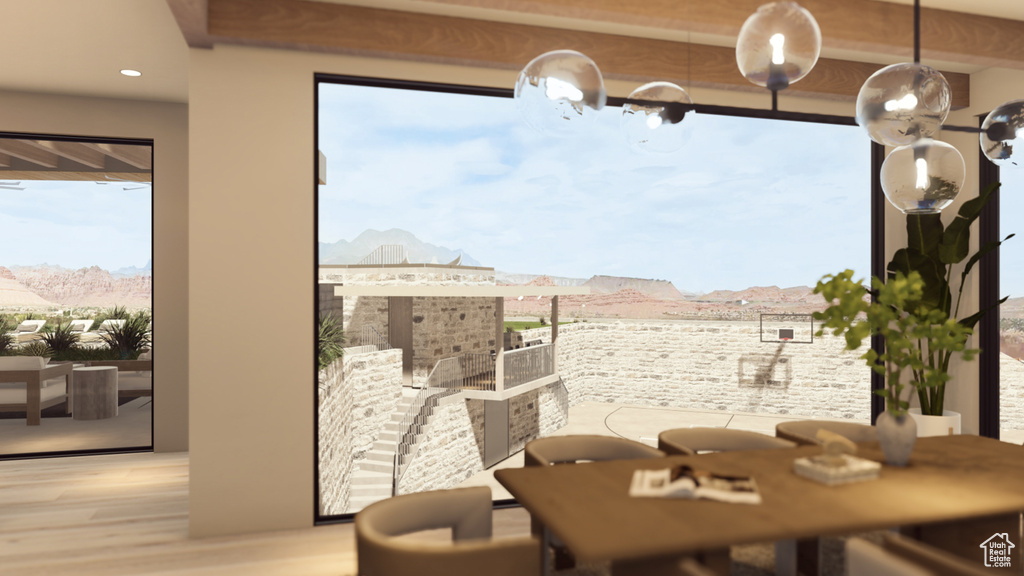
(130, 72)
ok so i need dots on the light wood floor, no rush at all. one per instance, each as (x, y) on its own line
(128, 515)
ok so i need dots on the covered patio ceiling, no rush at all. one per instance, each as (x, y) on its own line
(23, 159)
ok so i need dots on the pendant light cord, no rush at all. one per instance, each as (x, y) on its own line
(917, 31)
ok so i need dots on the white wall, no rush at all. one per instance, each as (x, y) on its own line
(167, 125)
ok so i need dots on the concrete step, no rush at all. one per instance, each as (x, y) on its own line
(380, 456)
(378, 466)
(388, 436)
(357, 504)
(384, 446)
(370, 491)
(368, 478)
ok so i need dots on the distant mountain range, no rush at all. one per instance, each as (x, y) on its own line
(55, 286)
(146, 270)
(416, 250)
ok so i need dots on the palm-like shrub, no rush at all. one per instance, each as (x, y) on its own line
(129, 338)
(37, 348)
(6, 340)
(330, 340)
(61, 339)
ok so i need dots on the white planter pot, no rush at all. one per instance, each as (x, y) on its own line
(945, 425)
(897, 437)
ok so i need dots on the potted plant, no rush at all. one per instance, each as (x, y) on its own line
(914, 311)
(914, 334)
(933, 250)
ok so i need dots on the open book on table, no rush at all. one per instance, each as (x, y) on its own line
(685, 482)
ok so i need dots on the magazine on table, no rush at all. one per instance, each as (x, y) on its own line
(686, 482)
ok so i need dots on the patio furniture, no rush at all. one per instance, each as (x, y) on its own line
(28, 383)
(81, 326)
(466, 511)
(805, 431)
(134, 377)
(964, 489)
(572, 449)
(94, 393)
(866, 559)
(685, 441)
(27, 330)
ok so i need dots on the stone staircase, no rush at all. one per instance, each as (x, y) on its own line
(374, 474)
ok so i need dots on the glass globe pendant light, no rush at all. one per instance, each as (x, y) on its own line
(923, 177)
(903, 102)
(654, 127)
(1002, 134)
(778, 45)
(560, 91)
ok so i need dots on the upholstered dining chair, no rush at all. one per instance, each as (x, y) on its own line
(804, 432)
(578, 448)
(467, 511)
(866, 559)
(693, 440)
(584, 447)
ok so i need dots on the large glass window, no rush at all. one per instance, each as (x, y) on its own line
(75, 295)
(1011, 312)
(453, 239)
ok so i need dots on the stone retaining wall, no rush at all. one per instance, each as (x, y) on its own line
(709, 366)
(1011, 393)
(357, 395)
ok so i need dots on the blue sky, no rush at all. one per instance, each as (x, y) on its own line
(75, 224)
(1011, 217)
(745, 202)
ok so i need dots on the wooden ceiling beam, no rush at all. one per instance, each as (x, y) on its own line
(28, 152)
(191, 18)
(74, 151)
(306, 25)
(138, 156)
(866, 25)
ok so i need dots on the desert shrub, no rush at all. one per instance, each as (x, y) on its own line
(79, 354)
(60, 338)
(542, 321)
(128, 339)
(6, 340)
(37, 348)
(330, 343)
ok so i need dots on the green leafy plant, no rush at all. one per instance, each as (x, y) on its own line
(60, 338)
(131, 337)
(79, 354)
(917, 336)
(932, 251)
(37, 348)
(6, 339)
(542, 321)
(330, 340)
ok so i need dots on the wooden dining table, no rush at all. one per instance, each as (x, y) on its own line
(957, 491)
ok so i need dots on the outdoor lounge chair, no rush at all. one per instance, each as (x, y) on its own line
(28, 384)
(81, 326)
(25, 331)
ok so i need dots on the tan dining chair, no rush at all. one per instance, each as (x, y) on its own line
(931, 558)
(472, 551)
(569, 450)
(585, 447)
(866, 559)
(688, 441)
(804, 432)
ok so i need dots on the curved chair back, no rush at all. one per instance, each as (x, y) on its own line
(931, 558)
(574, 448)
(467, 511)
(805, 432)
(693, 440)
(866, 559)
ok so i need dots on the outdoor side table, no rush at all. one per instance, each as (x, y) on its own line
(95, 393)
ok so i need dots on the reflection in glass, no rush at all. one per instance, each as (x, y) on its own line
(1002, 133)
(559, 91)
(903, 102)
(923, 178)
(654, 128)
(778, 45)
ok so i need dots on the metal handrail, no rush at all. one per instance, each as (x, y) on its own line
(369, 336)
(528, 364)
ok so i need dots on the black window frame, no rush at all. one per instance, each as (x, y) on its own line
(877, 209)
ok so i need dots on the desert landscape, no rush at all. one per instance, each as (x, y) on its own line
(47, 288)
